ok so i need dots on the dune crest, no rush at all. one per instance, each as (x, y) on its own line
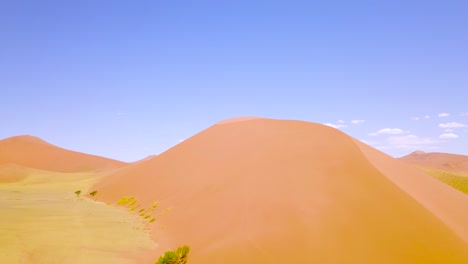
(238, 119)
(27, 138)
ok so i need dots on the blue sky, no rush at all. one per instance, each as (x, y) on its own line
(127, 79)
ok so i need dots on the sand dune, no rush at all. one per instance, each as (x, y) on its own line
(441, 161)
(271, 191)
(35, 153)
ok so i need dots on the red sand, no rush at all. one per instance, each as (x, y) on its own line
(440, 161)
(270, 191)
(35, 153)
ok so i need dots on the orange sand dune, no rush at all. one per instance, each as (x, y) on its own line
(35, 153)
(441, 161)
(271, 191)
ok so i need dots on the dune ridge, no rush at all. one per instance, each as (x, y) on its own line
(276, 191)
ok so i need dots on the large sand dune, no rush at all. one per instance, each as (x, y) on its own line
(32, 152)
(270, 191)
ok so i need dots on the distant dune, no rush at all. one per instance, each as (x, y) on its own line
(441, 161)
(29, 151)
(273, 191)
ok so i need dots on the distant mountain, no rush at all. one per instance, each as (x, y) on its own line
(441, 161)
(33, 152)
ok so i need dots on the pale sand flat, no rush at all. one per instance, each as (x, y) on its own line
(43, 221)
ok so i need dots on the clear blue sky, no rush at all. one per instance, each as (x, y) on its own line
(127, 79)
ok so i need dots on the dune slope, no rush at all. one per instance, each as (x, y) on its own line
(35, 153)
(442, 200)
(271, 191)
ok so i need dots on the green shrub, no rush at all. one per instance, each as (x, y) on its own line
(122, 200)
(78, 193)
(178, 256)
(93, 193)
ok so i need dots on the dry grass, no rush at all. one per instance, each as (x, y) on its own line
(457, 181)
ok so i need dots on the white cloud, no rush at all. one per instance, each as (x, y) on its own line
(335, 125)
(383, 147)
(341, 122)
(464, 114)
(181, 140)
(408, 141)
(443, 114)
(427, 116)
(449, 130)
(388, 131)
(415, 118)
(448, 136)
(357, 122)
(452, 125)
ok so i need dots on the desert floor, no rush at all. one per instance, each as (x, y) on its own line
(43, 221)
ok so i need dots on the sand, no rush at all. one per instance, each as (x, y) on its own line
(273, 191)
(43, 221)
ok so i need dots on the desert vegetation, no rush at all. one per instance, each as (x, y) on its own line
(178, 256)
(146, 213)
